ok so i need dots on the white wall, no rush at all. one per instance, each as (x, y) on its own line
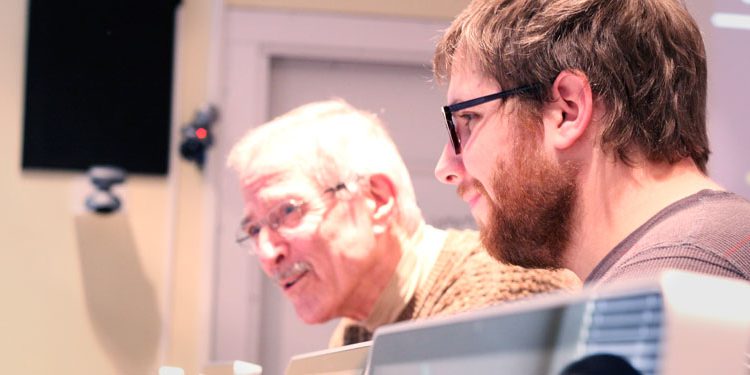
(54, 312)
(59, 311)
(434, 9)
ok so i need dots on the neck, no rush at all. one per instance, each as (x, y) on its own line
(389, 251)
(615, 199)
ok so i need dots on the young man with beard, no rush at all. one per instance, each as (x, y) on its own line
(578, 138)
(331, 214)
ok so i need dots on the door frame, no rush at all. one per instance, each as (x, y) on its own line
(251, 39)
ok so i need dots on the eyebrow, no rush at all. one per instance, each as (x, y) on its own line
(245, 220)
(270, 203)
(452, 102)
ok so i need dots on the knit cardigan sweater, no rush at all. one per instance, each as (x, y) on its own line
(464, 278)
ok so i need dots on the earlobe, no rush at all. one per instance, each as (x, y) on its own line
(383, 195)
(569, 114)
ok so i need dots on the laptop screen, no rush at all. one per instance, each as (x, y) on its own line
(345, 360)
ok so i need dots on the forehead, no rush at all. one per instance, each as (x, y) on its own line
(468, 82)
(261, 190)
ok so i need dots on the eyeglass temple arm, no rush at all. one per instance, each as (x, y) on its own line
(491, 97)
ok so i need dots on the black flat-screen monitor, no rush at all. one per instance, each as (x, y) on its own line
(99, 84)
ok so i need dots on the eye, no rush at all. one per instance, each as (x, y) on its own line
(289, 214)
(467, 118)
(464, 123)
(288, 209)
(253, 230)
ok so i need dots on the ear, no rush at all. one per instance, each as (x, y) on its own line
(568, 116)
(383, 196)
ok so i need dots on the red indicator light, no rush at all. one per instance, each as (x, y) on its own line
(201, 133)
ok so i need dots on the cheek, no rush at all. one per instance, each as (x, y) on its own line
(346, 254)
(307, 241)
(310, 247)
(348, 249)
(480, 166)
(347, 230)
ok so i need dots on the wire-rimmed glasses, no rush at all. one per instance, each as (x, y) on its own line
(286, 215)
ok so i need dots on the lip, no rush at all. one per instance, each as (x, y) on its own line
(290, 282)
(472, 199)
(291, 276)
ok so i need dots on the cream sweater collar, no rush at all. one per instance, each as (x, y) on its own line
(418, 257)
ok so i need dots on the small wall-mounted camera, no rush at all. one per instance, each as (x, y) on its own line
(197, 135)
(103, 177)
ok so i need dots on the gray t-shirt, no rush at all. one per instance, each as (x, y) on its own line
(707, 232)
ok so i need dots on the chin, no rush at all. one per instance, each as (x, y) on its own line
(479, 219)
(312, 316)
(480, 213)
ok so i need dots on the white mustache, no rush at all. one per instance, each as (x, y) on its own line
(295, 269)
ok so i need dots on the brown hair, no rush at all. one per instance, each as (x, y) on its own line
(644, 59)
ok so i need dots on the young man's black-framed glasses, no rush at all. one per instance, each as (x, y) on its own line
(449, 110)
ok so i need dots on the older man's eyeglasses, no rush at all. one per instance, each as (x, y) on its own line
(457, 130)
(286, 215)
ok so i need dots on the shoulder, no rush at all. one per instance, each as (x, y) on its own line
(727, 260)
(708, 232)
(469, 259)
(466, 276)
(713, 230)
(709, 211)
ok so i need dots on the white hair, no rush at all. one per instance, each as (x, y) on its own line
(330, 142)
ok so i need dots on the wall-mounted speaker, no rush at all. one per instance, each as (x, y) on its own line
(99, 84)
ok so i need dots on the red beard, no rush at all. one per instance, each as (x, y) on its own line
(531, 216)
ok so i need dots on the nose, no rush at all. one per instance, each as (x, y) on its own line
(270, 248)
(450, 168)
